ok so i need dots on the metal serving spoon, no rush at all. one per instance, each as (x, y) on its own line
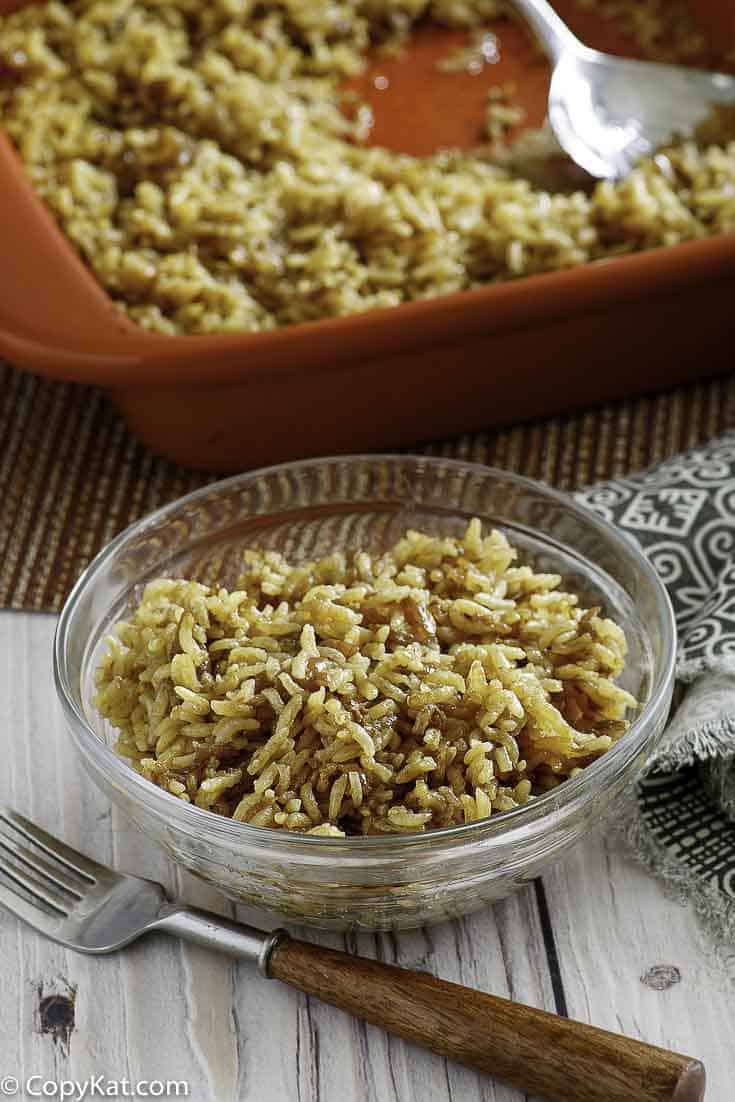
(608, 112)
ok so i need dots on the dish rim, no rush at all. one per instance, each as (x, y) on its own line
(229, 831)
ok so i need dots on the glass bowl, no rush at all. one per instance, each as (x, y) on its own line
(307, 509)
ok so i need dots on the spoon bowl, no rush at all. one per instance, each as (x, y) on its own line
(608, 112)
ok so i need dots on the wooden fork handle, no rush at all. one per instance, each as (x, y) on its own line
(540, 1053)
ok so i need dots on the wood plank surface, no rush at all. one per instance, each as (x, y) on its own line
(583, 940)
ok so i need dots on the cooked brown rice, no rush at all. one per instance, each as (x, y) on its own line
(198, 157)
(434, 684)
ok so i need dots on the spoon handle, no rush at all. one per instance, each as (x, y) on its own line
(540, 1053)
(551, 31)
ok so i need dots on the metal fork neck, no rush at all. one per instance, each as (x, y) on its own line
(233, 938)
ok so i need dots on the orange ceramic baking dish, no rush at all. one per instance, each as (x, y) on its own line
(414, 372)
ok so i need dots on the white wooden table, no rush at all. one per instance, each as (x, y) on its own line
(597, 939)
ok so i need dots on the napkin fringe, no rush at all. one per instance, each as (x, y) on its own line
(689, 669)
(713, 739)
(715, 911)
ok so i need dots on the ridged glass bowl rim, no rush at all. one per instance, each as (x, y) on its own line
(230, 832)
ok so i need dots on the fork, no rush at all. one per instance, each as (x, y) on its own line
(90, 908)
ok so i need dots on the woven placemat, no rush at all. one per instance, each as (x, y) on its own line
(72, 476)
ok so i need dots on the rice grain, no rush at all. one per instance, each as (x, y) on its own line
(420, 721)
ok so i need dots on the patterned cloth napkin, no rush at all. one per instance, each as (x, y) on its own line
(682, 823)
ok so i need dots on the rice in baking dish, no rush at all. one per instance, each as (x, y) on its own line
(198, 157)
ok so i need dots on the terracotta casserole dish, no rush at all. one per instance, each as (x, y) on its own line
(505, 352)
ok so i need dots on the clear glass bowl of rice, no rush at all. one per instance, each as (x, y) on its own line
(313, 508)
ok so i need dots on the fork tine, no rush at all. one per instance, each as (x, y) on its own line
(39, 912)
(42, 870)
(65, 855)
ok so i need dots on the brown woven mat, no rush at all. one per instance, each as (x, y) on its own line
(71, 475)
